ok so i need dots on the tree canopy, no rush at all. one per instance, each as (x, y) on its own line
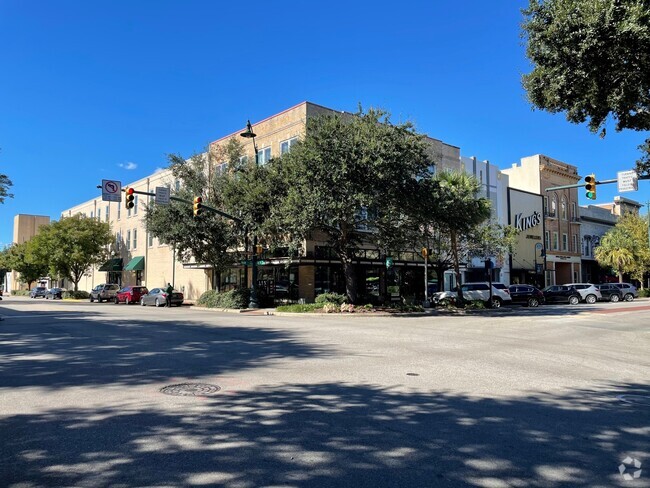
(591, 60)
(16, 258)
(5, 184)
(351, 174)
(69, 247)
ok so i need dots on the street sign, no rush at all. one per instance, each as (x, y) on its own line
(627, 181)
(162, 195)
(111, 191)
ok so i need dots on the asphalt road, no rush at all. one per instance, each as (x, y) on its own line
(556, 396)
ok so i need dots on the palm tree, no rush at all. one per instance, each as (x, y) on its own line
(615, 251)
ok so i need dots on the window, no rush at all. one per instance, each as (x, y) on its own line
(264, 155)
(128, 240)
(99, 214)
(574, 214)
(92, 214)
(574, 247)
(547, 240)
(243, 160)
(546, 205)
(555, 241)
(135, 205)
(585, 242)
(150, 236)
(119, 210)
(553, 206)
(107, 212)
(221, 169)
(563, 208)
(135, 239)
(285, 146)
(118, 239)
(177, 186)
(565, 242)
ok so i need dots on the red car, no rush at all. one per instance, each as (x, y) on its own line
(130, 294)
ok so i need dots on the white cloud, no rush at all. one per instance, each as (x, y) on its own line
(128, 165)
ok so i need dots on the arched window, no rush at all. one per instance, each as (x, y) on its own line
(553, 206)
(564, 209)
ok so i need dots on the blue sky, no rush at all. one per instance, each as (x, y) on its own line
(90, 89)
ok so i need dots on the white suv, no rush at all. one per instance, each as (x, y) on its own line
(477, 291)
(588, 292)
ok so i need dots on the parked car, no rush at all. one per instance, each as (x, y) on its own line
(105, 291)
(561, 294)
(54, 293)
(477, 291)
(158, 297)
(38, 291)
(628, 290)
(588, 292)
(526, 295)
(610, 292)
(130, 294)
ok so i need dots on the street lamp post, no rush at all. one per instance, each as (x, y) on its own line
(249, 134)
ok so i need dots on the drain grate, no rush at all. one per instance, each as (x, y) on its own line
(191, 389)
(635, 399)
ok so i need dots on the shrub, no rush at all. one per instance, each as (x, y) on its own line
(330, 307)
(347, 307)
(336, 298)
(369, 307)
(228, 299)
(475, 305)
(76, 295)
(300, 308)
(20, 293)
(645, 292)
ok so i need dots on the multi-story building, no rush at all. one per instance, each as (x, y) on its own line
(138, 258)
(597, 220)
(561, 218)
(25, 227)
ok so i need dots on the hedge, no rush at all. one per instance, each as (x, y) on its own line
(227, 299)
(331, 298)
(20, 293)
(76, 295)
(300, 308)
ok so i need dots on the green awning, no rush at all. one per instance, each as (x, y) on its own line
(136, 264)
(114, 264)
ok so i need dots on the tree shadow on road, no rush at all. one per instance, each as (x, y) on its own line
(73, 350)
(335, 435)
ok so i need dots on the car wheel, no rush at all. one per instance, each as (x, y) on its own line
(533, 302)
(574, 300)
(629, 297)
(496, 302)
(142, 302)
(91, 299)
(614, 298)
(116, 301)
(591, 299)
(157, 303)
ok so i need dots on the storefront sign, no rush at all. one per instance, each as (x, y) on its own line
(523, 223)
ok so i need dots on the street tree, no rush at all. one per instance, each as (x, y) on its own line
(352, 180)
(5, 184)
(625, 248)
(456, 210)
(16, 258)
(591, 60)
(207, 238)
(71, 246)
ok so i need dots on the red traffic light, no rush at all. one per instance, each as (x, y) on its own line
(198, 206)
(129, 203)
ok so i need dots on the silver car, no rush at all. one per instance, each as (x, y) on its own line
(477, 291)
(628, 291)
(158, 297)
(588, 292)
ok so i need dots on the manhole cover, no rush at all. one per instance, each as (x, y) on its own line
(191, 389)
(635, 399)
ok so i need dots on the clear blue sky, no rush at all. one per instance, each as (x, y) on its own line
(89, 89)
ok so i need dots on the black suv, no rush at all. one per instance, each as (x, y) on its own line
(38, 291)
(104, 292)
(610, 292)
(526, 295)
(561, 294)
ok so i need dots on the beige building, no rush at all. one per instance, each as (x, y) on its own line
(25, 227)
(561, 218)
(138, 257)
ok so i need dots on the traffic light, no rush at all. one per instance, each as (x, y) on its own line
(198, 206)
(590, 186)
(128, 202)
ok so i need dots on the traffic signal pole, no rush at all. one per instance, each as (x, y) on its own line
(600, 182)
